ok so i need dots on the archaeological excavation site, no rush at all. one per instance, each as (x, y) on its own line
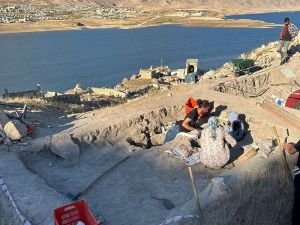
(120, 161)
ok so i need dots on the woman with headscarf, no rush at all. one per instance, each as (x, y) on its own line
(214, 150)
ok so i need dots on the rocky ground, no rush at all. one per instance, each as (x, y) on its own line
(68, 151)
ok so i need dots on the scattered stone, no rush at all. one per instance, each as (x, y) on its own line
(266, 146)
(158, 139)
(76, 90)
(133, 77)
(15, 130)
(63, 145)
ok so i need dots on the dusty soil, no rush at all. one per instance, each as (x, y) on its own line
(124, 195)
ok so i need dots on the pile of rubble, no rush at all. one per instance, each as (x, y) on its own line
(263, 57)
(12, 128)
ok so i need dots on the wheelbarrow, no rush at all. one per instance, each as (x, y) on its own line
(243, 66)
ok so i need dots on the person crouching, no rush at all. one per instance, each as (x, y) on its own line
(195, 118)
(214, 150)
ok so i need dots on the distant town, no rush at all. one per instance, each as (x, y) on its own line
(25, 13)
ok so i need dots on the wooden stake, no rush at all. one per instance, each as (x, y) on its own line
(201, 216)
(286, 165)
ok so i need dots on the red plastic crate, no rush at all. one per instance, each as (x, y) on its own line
(293, 100)
(72, 213)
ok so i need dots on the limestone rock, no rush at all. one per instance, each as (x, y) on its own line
(63, 145)
(124, 80)
(157, 139)
(133, 77)
(139, 139)
(15, 130)
(76, 90)
(3, 119)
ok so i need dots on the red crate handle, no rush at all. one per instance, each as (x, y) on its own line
(69, 208)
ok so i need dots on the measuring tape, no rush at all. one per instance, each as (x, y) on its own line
(6, 192)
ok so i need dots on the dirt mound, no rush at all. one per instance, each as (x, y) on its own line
(144, 131)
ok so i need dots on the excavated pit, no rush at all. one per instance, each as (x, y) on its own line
(129, 188)
(144, 131)
(247, 86)
(124, 196)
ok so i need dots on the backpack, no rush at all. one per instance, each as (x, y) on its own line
(293, 30)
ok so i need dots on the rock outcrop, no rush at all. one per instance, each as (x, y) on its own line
(263, 57)
(15, 130)
(63, 145)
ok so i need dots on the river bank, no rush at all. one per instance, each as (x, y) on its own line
(157, 19)
(105, 24)
(132, 23)
(246, 192)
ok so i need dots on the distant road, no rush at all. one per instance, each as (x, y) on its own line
(146, 21)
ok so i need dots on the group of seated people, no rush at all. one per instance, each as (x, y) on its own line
(214, 138)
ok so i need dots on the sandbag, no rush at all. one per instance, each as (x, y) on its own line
(15, 130)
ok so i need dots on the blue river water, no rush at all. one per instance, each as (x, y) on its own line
(58, 60)
(275, 17)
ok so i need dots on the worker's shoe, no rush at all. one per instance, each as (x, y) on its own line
(284, 61)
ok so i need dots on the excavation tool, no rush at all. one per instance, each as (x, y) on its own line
(86, 189)
(21, 115)
(166, 202)
(286, 165)
(201, 216)
(287, 135)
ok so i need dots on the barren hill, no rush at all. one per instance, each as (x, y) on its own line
(215, 5)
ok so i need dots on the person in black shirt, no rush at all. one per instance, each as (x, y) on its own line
(196, 117)
(292, 149)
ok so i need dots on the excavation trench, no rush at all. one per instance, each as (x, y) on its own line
(144, 131)
(125, 195)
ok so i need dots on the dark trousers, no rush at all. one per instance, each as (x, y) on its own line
(296, 207)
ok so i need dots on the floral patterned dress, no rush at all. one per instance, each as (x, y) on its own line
(215, 152)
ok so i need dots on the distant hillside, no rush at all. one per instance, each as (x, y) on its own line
(245, 5)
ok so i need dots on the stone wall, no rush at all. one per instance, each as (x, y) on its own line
(249, 86)
(108, 92)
